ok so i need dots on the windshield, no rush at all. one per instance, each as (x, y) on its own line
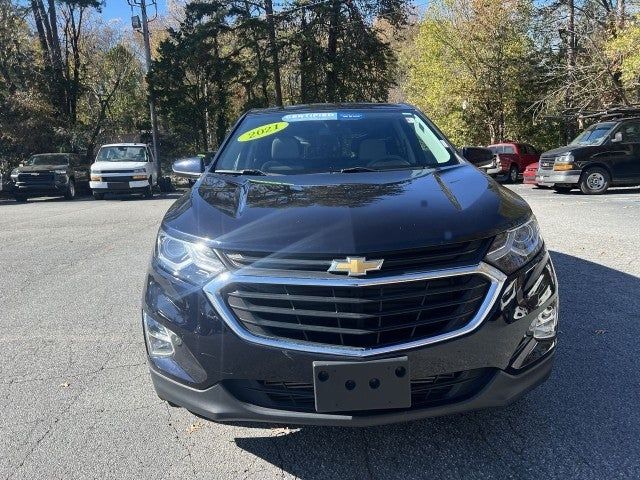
(53, 159)
(122, 154)
(332, 141)
(594, 135)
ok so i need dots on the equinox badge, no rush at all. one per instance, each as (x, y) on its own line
(355, 266)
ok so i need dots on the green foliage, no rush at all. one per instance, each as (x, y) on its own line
(473, 68)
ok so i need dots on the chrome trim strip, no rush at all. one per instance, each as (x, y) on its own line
(213, 292)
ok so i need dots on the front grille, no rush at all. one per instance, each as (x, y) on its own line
(122, 178)
(33, 178)
(450, 255)
(547, 163)
(102, 172)
(298, 396)
(358, 316)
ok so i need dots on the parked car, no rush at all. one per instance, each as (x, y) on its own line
(607, 154)
(124, 168)
(529, 175)
(343, 265)
(50, 174)
(511, 160)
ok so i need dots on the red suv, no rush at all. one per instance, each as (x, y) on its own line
(511, 159)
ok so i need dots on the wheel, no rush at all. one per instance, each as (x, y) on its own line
(148, 192)
(561, 189)
(98, 196)
(20, 198)
(70, 194)
(513, 174)
(595, 181)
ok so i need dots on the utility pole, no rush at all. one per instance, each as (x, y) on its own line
(143, 23)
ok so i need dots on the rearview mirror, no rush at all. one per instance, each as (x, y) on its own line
(479, 156)
(188, 167)
(617, 138)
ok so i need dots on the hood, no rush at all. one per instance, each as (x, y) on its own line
(117, 165)
(575, 149)
(346, 213)
(41, 168)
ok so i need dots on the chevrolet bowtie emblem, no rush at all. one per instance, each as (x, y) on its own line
(355, 266)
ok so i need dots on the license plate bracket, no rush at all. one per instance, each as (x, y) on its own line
(372, 385)
(118, 185)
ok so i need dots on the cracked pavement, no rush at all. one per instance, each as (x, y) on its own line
(76, 400)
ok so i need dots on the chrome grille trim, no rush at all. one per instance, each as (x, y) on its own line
(214, 290)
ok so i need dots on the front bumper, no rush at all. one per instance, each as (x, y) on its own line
(54, 188)
(218, 404)
(212, 355)
(495, 171)
(550, 178)
(119, 187)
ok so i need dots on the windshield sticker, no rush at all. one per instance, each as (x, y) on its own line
(319, 116)
(349, 116)
(306, 117)
(262, 131)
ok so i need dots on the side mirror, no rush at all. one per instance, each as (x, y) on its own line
(617, 138)
(188, 167)
(479, 156)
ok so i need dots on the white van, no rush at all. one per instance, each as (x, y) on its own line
(124, 168)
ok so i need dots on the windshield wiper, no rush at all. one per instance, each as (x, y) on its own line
(358, 169)
(246, 171)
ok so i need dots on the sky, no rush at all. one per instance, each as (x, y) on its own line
(120, 9)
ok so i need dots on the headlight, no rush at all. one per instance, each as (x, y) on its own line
(512, 249)
(139, 170)
(60, 172)
(563, 163)
(14, 173)
(95, 177)
(194, 262)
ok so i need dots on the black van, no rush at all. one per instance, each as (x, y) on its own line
(607, 154)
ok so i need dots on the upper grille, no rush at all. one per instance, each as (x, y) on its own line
(358, 316)
(298, 396)
(456, 254)
(36, 177)
(547, 163)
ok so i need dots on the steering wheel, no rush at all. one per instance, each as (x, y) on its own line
(389, 161)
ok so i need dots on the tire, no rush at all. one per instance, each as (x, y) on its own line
(98, 196)
(512, 177)
(20, 198)
(70, 194)
(595, 181)
(562, 189)
(148, 192)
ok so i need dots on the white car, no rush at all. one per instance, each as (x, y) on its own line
(124, 168)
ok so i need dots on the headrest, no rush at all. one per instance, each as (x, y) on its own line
(285, 148)
(372, 149)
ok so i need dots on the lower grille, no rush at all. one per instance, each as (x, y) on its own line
(358, 316)
(426, 392)
(122, 178)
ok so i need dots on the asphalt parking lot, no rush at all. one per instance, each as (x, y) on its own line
(76, 400)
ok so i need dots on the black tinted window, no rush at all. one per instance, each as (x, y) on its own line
(326, 141)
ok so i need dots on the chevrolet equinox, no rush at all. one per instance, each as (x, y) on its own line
(346, 265)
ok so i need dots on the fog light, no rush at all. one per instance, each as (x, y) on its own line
(160, 339)
(544, 325)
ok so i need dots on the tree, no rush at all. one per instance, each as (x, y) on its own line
(473, 68)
